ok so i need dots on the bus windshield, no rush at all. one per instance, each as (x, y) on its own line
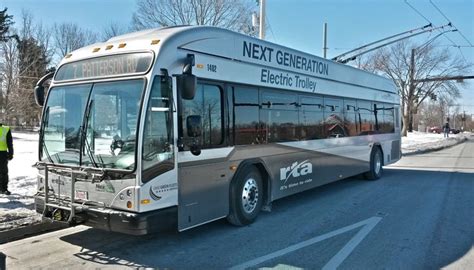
(92, 124)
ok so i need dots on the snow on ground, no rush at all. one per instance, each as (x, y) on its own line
(18, 209)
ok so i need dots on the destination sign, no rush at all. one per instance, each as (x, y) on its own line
(105, 66)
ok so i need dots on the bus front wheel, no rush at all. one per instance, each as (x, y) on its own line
(246, 197)
(376, 163)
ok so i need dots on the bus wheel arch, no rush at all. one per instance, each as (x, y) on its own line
(248, 192)
(375, 164)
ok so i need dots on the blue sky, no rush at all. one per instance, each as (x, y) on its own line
(298, 23)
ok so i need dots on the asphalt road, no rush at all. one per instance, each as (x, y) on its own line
(420, 215)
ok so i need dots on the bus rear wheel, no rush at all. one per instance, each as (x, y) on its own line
(246, 197)
(376, 163)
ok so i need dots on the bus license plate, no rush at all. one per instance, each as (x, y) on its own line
(81, 195)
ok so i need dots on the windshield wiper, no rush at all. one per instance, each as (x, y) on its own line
(84, 141)
(43, 143)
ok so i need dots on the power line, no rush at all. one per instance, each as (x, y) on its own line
(270, 27)
(460, 51)
(416, 10)
(419, 13)
(439, 10)
(454, 44)
(446, 17)
(458, 46)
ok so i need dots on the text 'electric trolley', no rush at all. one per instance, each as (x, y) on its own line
(186, 125)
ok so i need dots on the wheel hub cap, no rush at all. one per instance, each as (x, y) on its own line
(378, 163)
(250, 195)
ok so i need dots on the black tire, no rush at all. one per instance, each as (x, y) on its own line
(246, 196)
(376, 163)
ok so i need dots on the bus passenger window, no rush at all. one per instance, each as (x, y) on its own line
(279, 116)
(366, 117)
(351, 117)
(333, 119)
(311, 118)
(207, 103)
(246, 122)
(387, 125)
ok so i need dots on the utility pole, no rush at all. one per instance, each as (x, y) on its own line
(262, 20)
(325, 39)
(411, 91)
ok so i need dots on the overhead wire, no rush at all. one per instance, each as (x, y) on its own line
(462, 54)
(454, 44)
(416, 10)
(446, 17)
(270, 27)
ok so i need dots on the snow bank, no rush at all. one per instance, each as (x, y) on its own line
(18, 209)
(419, 142)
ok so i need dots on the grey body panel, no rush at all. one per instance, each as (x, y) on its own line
(204, 186)
(202, 193)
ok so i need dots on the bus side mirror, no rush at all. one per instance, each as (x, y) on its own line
(39, 95)
(39, 89)
(193, 125)
(186, 84)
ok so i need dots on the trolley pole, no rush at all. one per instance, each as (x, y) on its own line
(325, 39)
(262, 20)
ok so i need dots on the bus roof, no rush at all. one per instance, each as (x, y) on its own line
(231, 45)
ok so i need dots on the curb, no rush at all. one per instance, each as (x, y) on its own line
(30, 230)
(435, 148)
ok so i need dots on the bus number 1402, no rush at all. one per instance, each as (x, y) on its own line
(211, 68)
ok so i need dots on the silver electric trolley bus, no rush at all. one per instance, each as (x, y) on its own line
(184, 125)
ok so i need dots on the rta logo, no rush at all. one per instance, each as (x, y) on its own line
(295, 170)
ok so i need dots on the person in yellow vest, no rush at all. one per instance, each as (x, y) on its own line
(6, 154)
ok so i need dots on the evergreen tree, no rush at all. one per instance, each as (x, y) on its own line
(5, 22)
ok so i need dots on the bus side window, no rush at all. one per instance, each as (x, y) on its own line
(279, 115)
(366, 117)
(387, 125)
(351, 117)
(333, 118)
(246, 122)
(311, 118)
(207, 103)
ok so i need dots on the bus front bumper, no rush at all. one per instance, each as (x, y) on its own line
(121, 221)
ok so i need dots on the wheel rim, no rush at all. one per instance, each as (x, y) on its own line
(250, 195)
(378, 163)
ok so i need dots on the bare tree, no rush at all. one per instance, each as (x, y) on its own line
(8, 76)
(69, 37)
(231, 14)
(395, 63)
(24, 59)
(113, 29)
